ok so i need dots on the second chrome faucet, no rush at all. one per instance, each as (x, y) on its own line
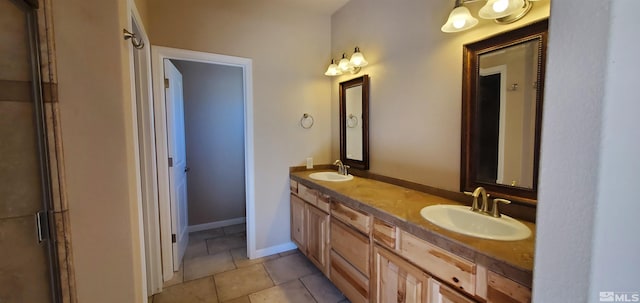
(342, 168)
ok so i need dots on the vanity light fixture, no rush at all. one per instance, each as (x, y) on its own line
(501, 11)
(460, 19)
(352, 65)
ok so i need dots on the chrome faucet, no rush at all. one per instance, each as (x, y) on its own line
(342, 169)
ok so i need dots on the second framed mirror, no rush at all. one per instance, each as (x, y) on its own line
(354, 122)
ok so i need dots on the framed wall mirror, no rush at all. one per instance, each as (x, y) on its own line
(354, 122)
(503, 84)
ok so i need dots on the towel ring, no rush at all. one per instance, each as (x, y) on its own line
(306, 121)
(352, 121)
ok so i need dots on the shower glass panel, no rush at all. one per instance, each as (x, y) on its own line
(26, 272)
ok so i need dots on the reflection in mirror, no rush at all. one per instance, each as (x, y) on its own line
(502, 102)
(506, 113)
(353, 103)
(354, 108)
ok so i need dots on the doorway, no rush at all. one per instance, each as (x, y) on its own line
(160, 55)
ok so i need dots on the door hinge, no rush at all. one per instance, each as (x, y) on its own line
(166, 83)
(42, 226)
(173, 238)
(170, 162)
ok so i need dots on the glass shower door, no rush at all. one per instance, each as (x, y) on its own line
(26, 254)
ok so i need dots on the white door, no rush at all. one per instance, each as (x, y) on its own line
(177, 161)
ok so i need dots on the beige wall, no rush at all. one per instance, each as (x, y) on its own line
(589, 169)
(96, 119)
(290, 49)
(416, 80)
(214, 135)
(143, 9)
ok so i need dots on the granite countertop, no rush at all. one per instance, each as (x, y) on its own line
(401, 207)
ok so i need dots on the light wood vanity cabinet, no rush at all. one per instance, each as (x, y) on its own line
(310, 225)
(396, 280)
(371, 260)
(350, 252)
(297, 222)
(318, 237)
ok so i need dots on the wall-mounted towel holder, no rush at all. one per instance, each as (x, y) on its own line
(306, 121)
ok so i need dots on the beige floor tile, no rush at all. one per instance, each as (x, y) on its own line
(241, 260)
(290, 292)
(322, 289)
(197, 291)
(197, 236)
(241, 282)
(289, 268)
(216, 245)
(196, 249)
(178, 277)
(203, 266)
(244, 299)
(234, 229)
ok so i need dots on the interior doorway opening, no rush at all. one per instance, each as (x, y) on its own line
(167, 207)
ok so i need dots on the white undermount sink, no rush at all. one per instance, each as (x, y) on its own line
(462, 220)
(330, 176)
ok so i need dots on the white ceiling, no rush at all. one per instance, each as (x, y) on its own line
(318, 6)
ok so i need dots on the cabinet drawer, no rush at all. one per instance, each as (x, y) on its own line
(360, 221)
(324, 202)
(293, 186)
(348, 280)
(439, 292)
(384, 233)
(351, 245)
(503, 290)
(452, 269)
(307, 194)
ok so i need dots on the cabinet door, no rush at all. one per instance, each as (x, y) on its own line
(440, 293)
(318, 237)
(297, 222)
(398, 281)
(502, 290)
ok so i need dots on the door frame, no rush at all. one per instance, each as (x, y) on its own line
(159, 54)
(145, 158)
(502, 71)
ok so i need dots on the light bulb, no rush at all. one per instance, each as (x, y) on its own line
(500, 5)
(459, 23)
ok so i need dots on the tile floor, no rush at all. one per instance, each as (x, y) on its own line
(216, 270)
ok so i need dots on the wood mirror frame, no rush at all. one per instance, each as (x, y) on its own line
(471, 69)
(362, 81)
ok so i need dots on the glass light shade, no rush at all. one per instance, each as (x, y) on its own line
(344, 64)
(495, 9)
(333, 69)
(357, 59)
(459, 19)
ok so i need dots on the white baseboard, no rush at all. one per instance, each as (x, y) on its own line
(259, 253)
(217, 224)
